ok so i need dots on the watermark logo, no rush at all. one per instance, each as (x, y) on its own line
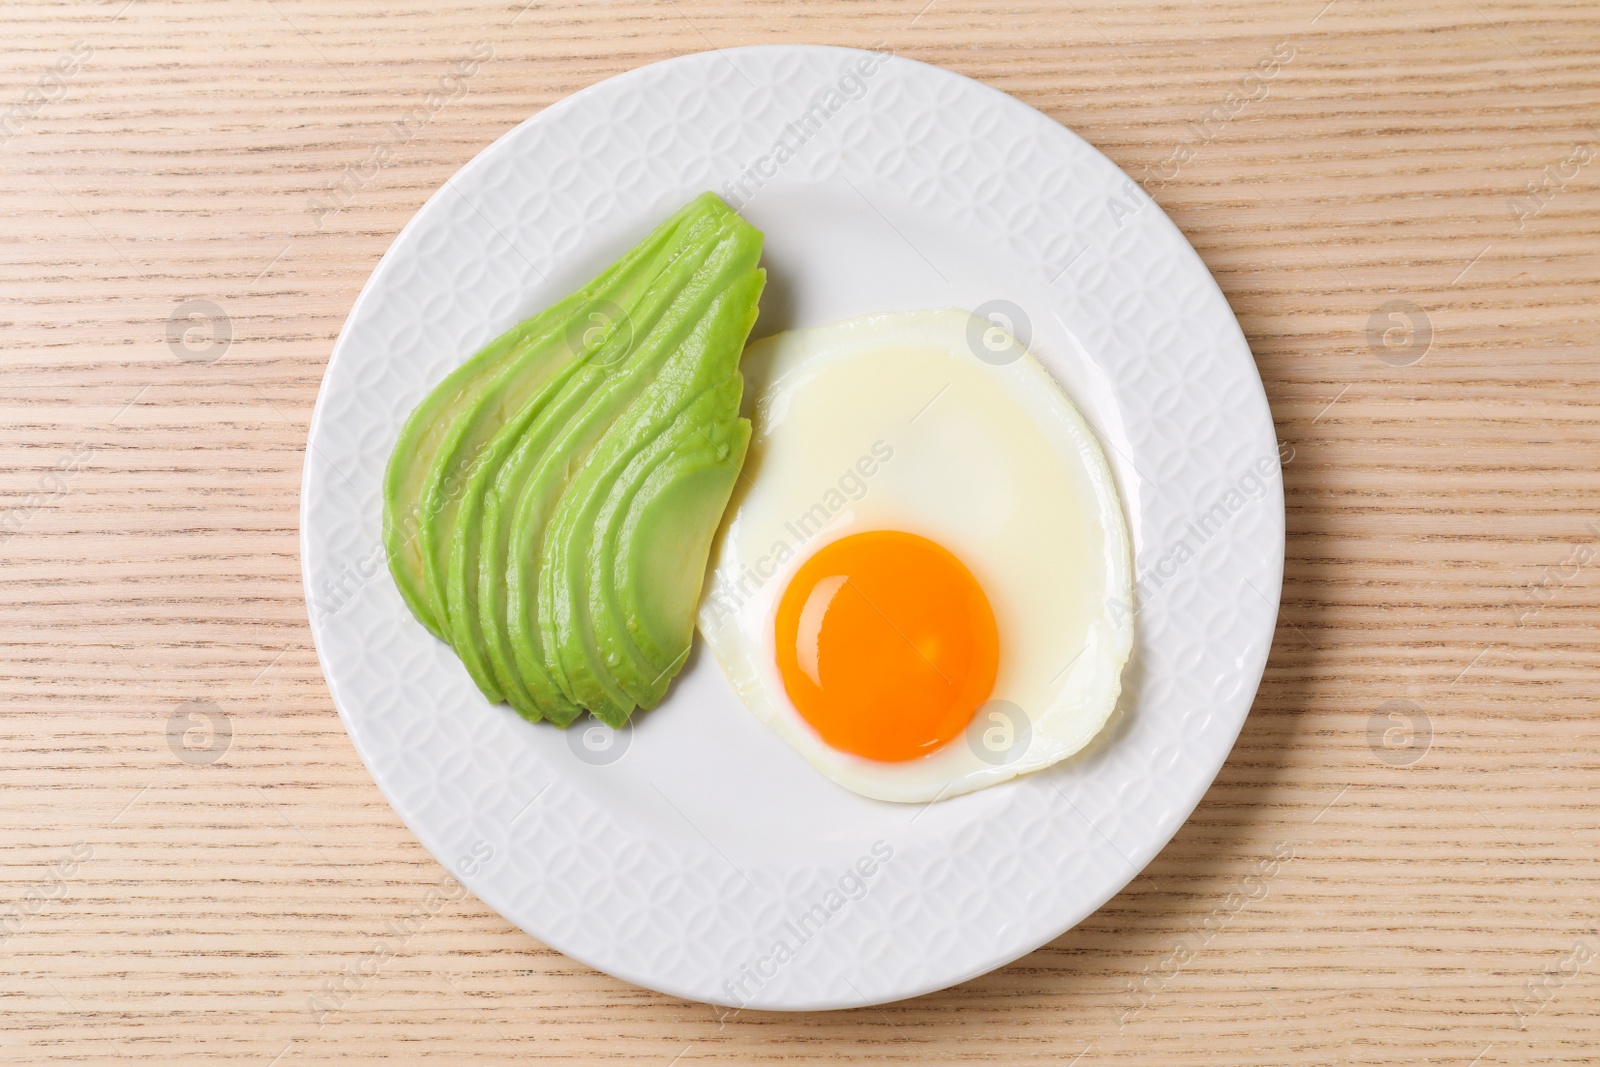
(198, 331)
(1399, 333)
(730, 594)
(336, 593)
(1198, 532)
(47, 89)
(1552, 180)
(1153, 979)
(1543, 591)
(50, 488)
(1253, 87)
(199, 732)
(1541, 989)
(603, 334)
(851, 885)
(597, 744)
(1121, 210)
(355, 177)
(1399, 733)
(999, 733)
(999, 332)
(358, 974)
(53, 886)
(799, 131)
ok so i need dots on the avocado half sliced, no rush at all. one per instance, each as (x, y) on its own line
(597, 340)
(689, 403)
(549, 507)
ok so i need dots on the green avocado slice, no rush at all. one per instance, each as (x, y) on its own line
(673, 458)
(609, 685)
(475, 572)
(557, 461)
(669, 525)
(544, 350)
(527, 683)
(549, 507)
(406, 477)
(693, 403)
(428, 464)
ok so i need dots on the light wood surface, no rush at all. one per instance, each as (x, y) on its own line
(1438, 906)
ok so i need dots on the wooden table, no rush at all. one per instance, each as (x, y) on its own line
(1404, 217)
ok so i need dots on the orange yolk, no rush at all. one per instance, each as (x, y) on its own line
(886, 644)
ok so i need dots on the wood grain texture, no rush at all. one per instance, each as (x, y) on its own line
(1444, 538)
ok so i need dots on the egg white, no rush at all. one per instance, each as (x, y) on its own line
(893, 422)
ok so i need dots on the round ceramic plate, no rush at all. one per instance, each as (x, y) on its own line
(696, 853)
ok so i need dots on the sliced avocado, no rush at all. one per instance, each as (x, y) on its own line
(693, 403)
(409, 465)
(623, 299)
(462, 590)
(560, 460)
(686, 446)
(609, 686)
(551, 448)
(549, 507)
(668, 530)
(540, 352)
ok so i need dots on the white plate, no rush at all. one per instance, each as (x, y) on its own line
(705, 843)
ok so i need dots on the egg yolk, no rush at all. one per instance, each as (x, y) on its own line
(887, 645)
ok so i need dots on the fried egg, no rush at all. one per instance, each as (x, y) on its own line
(923, 582)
